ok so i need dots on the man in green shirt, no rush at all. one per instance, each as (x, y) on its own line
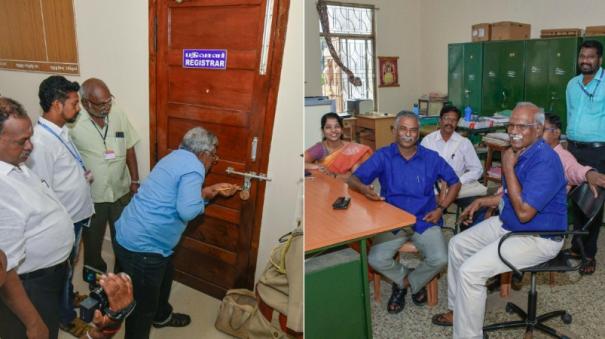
(105, 139)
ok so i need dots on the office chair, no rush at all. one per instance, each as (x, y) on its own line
(583, 197)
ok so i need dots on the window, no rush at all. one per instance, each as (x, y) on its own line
(352, 34)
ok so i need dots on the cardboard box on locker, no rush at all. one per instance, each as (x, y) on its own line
(481, 32)
(508, 30)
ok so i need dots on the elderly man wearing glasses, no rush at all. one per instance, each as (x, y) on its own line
(152, 224)
(534, 199)
(105, 139)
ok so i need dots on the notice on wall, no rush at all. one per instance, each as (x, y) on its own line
(205, 58)
(38, 36)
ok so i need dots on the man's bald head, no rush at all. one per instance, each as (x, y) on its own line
(96, 97)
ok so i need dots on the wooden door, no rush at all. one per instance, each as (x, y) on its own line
(218, 250)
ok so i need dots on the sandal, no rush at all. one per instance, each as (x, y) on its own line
(588, 267)
(397, 299)
(176, 320)
(77, 328)
(443, 319)
(419, 298)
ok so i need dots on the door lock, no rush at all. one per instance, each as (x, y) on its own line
(248, 176)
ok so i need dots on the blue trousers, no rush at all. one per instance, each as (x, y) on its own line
(151, 276)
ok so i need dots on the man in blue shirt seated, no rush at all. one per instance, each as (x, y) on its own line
(151, 226)
(534, 199)
(407, 173)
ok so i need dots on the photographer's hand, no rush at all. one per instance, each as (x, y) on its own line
(118, 288)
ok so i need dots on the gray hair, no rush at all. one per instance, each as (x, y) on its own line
(539, 111)
(198, 140)
(10, 108)
(405, 114)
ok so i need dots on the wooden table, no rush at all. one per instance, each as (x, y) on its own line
(326, 228)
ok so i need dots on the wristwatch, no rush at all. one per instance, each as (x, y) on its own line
(443, 208)
(121, 314)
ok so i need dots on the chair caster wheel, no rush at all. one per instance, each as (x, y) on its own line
(509, 308)
(566, 318)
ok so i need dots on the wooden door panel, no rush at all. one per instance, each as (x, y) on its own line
(224, 27)
(218, 249)
(231, 89)
(214, 232)
(230, 138)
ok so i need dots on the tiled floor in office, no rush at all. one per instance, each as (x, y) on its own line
(582, 296)
(201, 307)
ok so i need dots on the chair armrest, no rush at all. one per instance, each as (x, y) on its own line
(531, 233)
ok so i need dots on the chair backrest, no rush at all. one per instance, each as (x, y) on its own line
(583, 197)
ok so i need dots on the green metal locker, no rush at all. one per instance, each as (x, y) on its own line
(503, 75)
(455, 71)
(551, 63)
(473, 76)
(465, 67)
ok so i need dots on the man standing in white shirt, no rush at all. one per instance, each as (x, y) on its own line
(457, 151)
(37, 235)
(56, 160)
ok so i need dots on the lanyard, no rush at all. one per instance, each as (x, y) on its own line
(72, 150)
(103, 136)
(591, 95)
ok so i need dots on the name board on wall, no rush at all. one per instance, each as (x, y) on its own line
(38, 36)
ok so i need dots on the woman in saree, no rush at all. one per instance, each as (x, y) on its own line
(333, 155)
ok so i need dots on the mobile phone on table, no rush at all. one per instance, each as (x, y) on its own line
(341, 203)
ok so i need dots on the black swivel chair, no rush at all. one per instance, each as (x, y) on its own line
(583, 197)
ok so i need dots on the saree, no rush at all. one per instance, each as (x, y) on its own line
(345, 158)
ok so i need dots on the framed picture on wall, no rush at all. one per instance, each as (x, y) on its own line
(387, 67)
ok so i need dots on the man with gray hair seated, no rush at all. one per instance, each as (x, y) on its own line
(152, 224)
(534, 199)
(407, 173)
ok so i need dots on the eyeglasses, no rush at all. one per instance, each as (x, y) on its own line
(403, 129)
(213, 156)
(104, 104)
(550, 129)
(521, 127)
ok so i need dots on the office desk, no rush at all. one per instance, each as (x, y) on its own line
(374, 130)
(326, 228)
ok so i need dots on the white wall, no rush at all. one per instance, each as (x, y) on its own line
(446, 21)
(397, 27)
(113, 45)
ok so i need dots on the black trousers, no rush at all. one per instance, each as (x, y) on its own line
(151, 276)
(595, 158)
(44, 290)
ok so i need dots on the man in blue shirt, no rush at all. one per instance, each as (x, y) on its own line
(152, 224)
(586, 133)
(407, 173)
(534, 199)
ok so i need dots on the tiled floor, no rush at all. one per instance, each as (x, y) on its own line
(201, 307)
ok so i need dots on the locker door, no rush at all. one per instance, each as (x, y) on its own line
(536, 72)
(563, 56)
(455, 74)
(513, 73)
(492, 79)
(473, 76)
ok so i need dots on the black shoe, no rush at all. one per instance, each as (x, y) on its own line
(397, 299)
(419, 298)
(176, 320)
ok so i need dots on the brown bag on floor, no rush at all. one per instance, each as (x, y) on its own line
(235, 312)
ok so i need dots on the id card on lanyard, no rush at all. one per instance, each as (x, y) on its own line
(109, 154)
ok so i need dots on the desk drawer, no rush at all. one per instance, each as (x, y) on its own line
(366, 123)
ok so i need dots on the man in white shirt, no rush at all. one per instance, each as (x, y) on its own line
(36, 235)
(56, 160)
(457, 151)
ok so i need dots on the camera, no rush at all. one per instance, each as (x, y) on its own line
(97, 299)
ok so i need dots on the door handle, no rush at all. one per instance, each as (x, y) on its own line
(248, 176)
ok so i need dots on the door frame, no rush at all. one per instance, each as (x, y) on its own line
(274, 63)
